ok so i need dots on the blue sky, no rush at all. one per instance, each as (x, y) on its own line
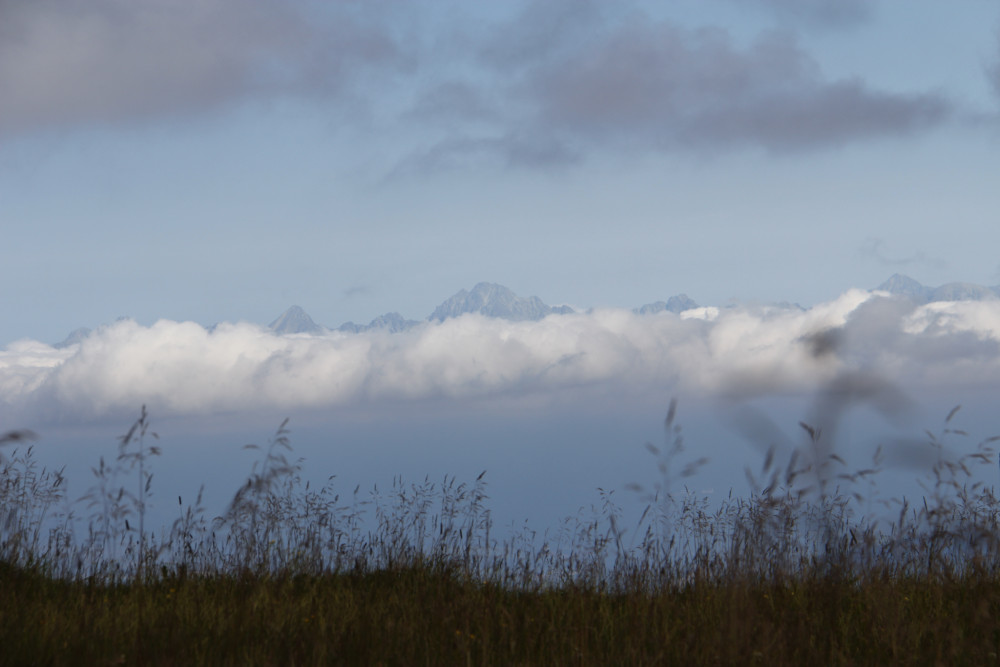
(226, 161)
(197, 163)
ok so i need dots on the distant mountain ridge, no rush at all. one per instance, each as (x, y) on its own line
(675, 304)
(390, 322)
(905, 286)
(494, 300)
(498, 301)
(74, 337)
(487, 299)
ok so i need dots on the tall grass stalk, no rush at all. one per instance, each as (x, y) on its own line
(799, 570)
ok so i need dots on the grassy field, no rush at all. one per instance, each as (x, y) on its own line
(295, 575)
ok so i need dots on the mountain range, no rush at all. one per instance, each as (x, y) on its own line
(73, 338)
(390, 322)
(675, 304)
(493, 300)
(488, 299)
(905, 286)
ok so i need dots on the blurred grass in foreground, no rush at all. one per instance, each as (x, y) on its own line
(290, 574)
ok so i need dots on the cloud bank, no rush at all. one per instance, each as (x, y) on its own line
(180, 368)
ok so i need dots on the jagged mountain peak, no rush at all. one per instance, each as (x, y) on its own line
(902, 285)
(389, 322)
(294, 320)
(675, 304)
(74, 337)
(494, 300)
(963, 292)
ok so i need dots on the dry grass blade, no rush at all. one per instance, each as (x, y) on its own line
(294, 574)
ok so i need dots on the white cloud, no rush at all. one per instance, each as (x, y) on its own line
(948, 317)
(180, 368)
(25, 364)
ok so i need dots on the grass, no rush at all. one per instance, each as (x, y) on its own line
(795, 573)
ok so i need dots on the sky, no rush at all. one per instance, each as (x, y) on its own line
(225, 161)
(188, 164)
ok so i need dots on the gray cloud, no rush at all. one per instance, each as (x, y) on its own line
(559, 80)
(993, 71)
(106, 61)
(625, 82)
(510, 150)
(874, 249)
(543, 29)
(454, 102)
(663, 87)
(357, 290)
(829, 13)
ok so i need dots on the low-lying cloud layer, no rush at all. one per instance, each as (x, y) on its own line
(181, 368)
